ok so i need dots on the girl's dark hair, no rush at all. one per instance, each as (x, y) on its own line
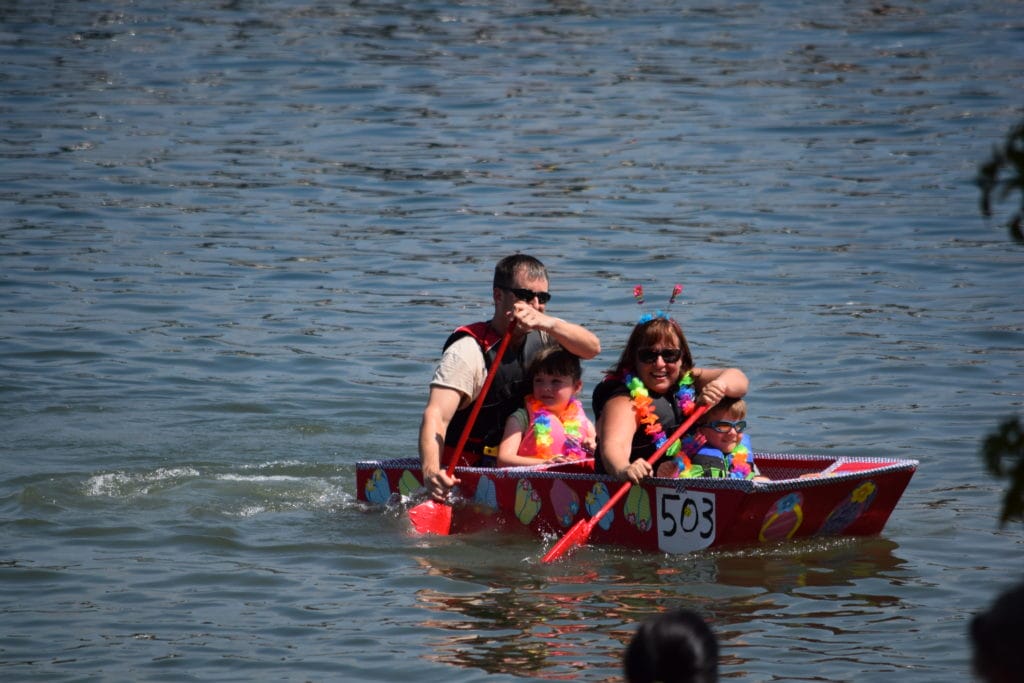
(657, 331)
(674, 647)
(554, 360)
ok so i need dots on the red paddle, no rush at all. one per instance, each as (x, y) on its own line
(431, 517)
(580, 531)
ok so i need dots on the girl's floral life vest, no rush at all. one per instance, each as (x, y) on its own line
(552, 433)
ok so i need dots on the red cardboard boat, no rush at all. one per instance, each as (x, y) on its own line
(806, 495)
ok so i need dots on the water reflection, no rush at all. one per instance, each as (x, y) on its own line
(572, 620)
(786, 568)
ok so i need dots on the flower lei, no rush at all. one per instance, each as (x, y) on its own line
(645, 415)
(570, 419)
(737, 462)
(737, 465)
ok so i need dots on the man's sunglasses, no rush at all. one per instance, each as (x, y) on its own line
(528, 294)
(648, 356)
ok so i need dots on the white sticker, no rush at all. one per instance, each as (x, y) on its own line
(686, 520)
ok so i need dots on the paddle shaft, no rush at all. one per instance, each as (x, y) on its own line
(488, 381)
(653, 459)
(432, 516)
(580, 531)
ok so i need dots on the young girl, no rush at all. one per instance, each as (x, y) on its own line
(553, 426)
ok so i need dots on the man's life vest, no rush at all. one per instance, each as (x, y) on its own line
(507, 392)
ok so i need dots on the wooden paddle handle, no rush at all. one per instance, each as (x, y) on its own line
(488, 381)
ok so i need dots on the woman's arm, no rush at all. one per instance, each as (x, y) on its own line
(616, 428)
(717, 383)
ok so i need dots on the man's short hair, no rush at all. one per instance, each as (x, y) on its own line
(505, 271)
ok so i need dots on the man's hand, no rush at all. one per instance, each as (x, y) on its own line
(439, 485)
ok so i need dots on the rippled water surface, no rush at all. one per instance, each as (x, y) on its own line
(234, 235)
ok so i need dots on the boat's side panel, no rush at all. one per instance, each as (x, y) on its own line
(833, 505)
(848, 497)
(551, 504)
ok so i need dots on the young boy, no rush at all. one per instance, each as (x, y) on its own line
(726, 452)
(553, 426)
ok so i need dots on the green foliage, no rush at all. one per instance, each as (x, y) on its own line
(1008, 443)
(1008, 159)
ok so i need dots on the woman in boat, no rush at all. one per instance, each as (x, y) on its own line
(650, 392)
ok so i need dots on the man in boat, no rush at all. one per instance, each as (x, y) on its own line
(520, 293)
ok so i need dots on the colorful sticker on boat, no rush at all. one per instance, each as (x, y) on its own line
(783, 519)
(595, 500)
(847, 512)
(408, 484)
(527, 501)
(565, 502)
(486, 495)
(638, 508)
(377, 489)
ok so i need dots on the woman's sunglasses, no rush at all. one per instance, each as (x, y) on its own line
(648, 356)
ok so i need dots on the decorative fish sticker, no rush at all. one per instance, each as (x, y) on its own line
(595, 500)
(486, 495)
(638, 508)
(527, 501)
(377, 488)
(565, 502)
(408, 484)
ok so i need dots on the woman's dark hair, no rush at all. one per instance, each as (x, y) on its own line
(656, 331)
(675, 647)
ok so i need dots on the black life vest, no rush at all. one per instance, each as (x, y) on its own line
(507, 393)
(643, 446)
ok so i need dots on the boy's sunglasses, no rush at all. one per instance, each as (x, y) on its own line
(723, 426)
(648, 356)
(528, 294)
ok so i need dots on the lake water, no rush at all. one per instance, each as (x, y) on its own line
(234, 236)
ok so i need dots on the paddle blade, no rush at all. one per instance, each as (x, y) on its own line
(576, 536)
(431, 517)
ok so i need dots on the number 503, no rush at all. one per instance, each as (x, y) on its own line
(686, 514)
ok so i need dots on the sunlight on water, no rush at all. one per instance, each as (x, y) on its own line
(125, 485)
